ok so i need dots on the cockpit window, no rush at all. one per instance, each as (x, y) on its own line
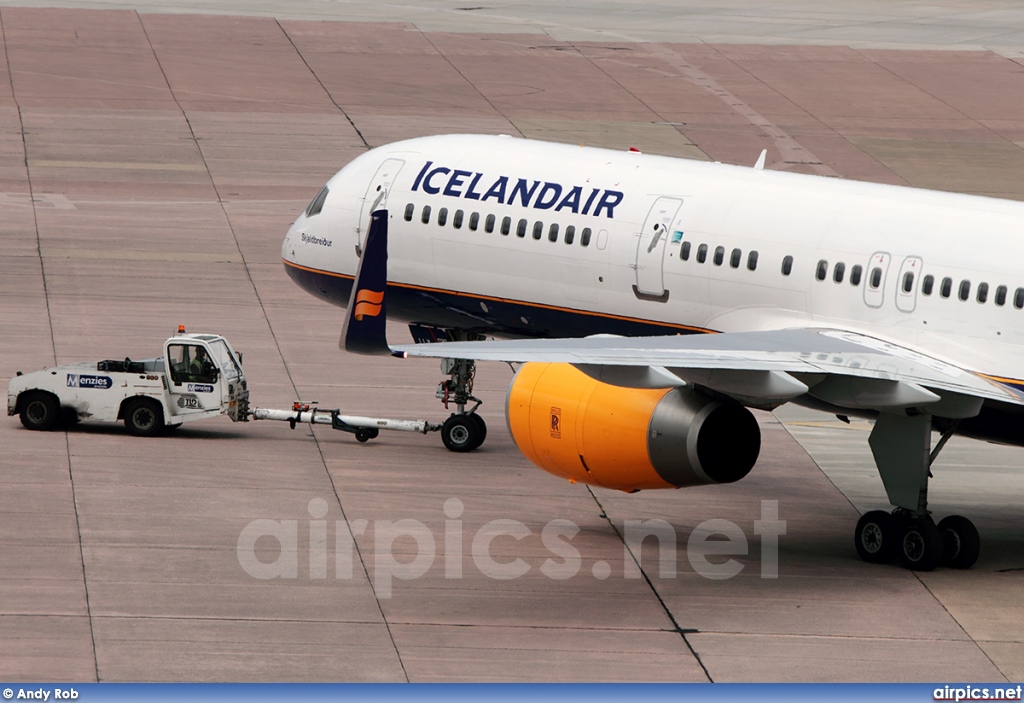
(318, 203)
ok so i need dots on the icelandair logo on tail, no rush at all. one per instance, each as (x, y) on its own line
(368, 303)
(579, 200)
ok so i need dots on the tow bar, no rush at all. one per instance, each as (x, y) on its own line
(364, 428)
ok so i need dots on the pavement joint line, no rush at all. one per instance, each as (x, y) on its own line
(470, 83)
(900, 78)
(53, 342)
(324, 87)
(676, 627)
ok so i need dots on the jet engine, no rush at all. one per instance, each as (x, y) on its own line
(629, 439)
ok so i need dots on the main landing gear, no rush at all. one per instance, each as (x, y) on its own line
(900, 444)
(464, 430)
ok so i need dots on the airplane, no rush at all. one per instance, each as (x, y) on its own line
(654, 301)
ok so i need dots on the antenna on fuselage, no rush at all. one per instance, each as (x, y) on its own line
(759, 166)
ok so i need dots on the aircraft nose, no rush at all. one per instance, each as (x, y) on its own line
(288, 245)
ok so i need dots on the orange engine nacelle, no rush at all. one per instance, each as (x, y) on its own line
(629, 439)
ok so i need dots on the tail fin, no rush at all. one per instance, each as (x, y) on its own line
(365, 324)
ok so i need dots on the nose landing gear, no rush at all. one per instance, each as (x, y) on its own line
(464, 430)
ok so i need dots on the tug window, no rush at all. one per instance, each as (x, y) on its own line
(787, 266)
(409, 210)
(570, 234)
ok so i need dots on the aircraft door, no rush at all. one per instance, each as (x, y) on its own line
(377, 194)
(874, 279)
(661, 221)
(908, 283)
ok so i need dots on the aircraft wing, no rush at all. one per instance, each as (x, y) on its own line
(843, 367)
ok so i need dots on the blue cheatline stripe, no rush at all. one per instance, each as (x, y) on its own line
(500, 693)
(448, 308)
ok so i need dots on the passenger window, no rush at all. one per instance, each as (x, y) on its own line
(425, 217)
(735, 258)
(947, 287)
(927, 283)
(684, 252)
(457, 220)
(752, 261)
(1001, 295)
(442, 216)
(982, 292)
(538, 230)
(787, 266)
(489, 224)
(876, 277)
(702, 253)
(521, 228)
(855, 273)
(965, 289)
(506, 225)
(570, 234)
(822, 270)
(839, 273)
(908, 281)
(1018, 298)
(553, 233)
(409, 210)
(719, 255)
(585, 237)
(474, 221)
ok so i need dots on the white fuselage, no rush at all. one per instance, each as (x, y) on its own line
(935, 271)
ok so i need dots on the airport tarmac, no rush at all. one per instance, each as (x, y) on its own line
(150, 166)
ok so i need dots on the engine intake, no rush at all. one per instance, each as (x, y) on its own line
(627, 438)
